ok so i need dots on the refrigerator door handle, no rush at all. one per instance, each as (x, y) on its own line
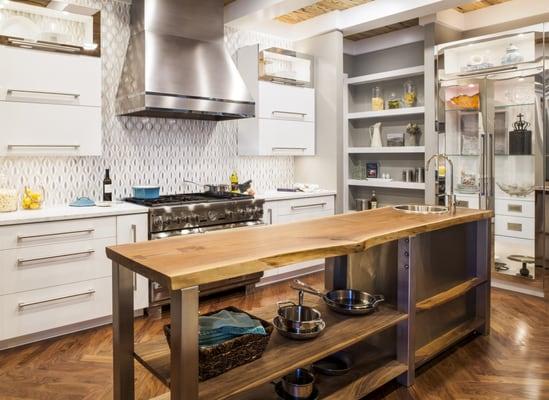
(490, 154)
(483, 166)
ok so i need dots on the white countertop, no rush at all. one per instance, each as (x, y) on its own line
(275, 195)
(59, 213)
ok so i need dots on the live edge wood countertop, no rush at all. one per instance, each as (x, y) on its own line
(191, 260)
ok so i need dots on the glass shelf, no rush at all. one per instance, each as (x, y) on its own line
(514, 105)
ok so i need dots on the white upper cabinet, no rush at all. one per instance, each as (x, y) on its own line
(50, 103)
(285, 114)
(286, 102)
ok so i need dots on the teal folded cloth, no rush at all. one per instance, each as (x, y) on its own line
(225, 325)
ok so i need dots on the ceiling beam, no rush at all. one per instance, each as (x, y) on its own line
(259, 15)
(247, 12)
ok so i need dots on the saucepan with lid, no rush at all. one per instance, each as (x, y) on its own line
(344, 301)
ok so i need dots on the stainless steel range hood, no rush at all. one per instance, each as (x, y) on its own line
(176, 65)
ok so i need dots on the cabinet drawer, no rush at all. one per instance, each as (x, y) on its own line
(25, 235)
(278, 137)
(50, 129)
(303, 216)
(30, 268)
(515, 208)
(517, 227)
(286, 102)
(307, 206)
(468, 201)
(38, 310)
(59, 77)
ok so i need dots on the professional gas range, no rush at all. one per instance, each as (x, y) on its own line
(196, 213)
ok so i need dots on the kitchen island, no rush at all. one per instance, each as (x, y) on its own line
(432, 268)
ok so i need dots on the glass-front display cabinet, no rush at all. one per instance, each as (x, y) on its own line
(490, 121)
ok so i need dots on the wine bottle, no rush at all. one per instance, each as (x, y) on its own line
(107, 187)
(373, 200)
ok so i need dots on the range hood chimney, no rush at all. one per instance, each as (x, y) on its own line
(176, 65)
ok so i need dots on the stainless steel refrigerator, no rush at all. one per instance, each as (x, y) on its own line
(492, 122)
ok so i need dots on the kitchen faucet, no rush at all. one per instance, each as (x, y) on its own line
(451, 196)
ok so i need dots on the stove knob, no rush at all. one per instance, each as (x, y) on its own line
(258, 212)
(229, 214)
(168, 221)
(178, 220)
(212, 215)
(158, 222)
(194, 219)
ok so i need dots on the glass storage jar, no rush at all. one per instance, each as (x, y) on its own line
(377, 99)
(32, 198)
(393, 101)
(8, 196)
(410, 94)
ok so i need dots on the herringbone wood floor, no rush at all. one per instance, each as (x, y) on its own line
(511, 363)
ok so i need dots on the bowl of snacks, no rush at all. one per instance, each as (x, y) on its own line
(32, 198)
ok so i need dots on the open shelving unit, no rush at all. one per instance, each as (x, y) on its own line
(252, 380)
(392, 160)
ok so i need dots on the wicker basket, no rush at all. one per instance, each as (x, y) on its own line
(215, 360)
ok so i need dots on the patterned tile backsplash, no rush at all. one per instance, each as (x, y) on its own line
(149, 151)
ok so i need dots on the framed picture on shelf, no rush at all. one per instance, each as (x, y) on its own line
(372, 170)
(395, 139)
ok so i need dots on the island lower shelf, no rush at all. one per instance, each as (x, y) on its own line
(284, 355)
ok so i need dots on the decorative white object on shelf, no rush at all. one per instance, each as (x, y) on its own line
(285, 114)
(375, 135)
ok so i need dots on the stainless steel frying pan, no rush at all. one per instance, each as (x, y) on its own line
(343, 301)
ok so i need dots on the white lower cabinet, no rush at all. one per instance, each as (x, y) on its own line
(48, 308)
(132, 229)
(295, 210)
(55, 275)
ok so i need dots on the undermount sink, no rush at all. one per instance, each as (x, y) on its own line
(421, 209)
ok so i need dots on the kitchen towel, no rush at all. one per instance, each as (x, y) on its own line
(224, 325)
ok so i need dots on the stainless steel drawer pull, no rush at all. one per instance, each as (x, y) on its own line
(316, 205)
(70, 296)
(44, 146)
(270, 211)
(22, 261)
(514, 208)
(289, 148)
(291, 113)
(40, 45)
(46, 235)
(512, 226)
(15, 91)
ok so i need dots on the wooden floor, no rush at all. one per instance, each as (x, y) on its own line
(511, 363)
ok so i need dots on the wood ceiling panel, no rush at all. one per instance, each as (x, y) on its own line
(318, 8)
(477, 5)
(384, 29)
